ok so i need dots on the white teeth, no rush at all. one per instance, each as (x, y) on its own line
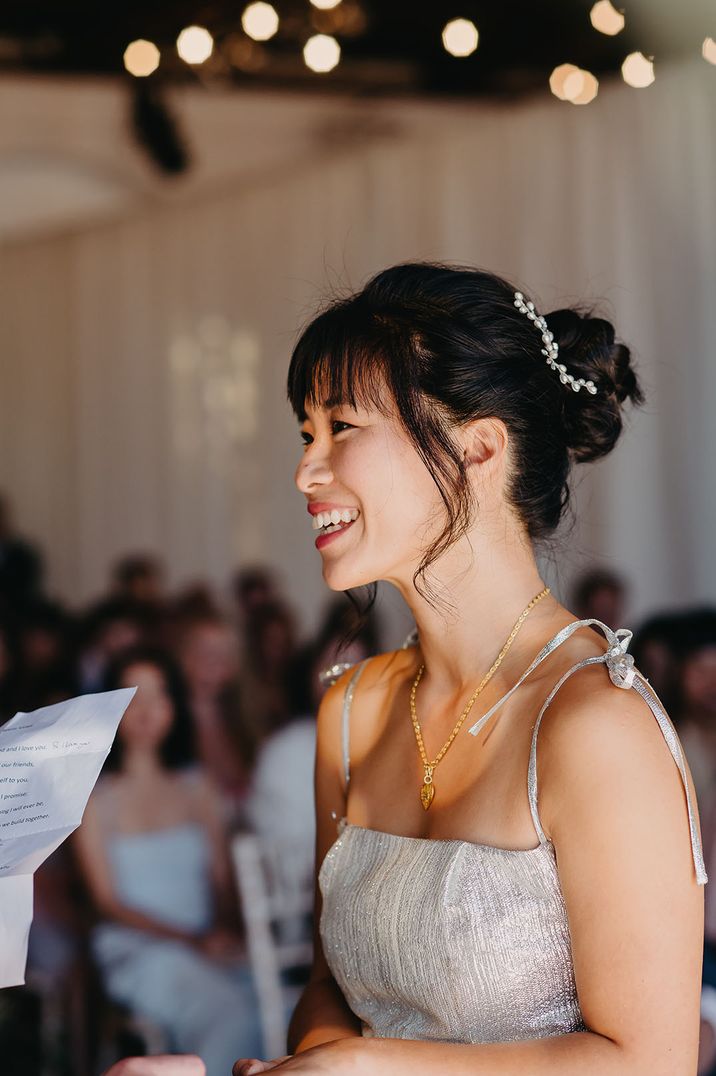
(334, 517)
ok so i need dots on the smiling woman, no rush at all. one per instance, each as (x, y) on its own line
(441, 414)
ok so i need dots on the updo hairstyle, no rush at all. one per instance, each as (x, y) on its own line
(451, 347)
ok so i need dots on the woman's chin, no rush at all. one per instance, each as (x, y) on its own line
(341, 577)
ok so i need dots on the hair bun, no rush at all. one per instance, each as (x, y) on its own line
(592, 423)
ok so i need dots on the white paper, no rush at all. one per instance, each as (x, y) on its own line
(49, 762)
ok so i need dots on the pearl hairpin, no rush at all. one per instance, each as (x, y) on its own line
(551, 347)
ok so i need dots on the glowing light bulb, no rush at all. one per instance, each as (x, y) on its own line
(195, 44)
(605, 18)
(581, 87)
(325, 5)
(460, 37)
(141, 58)
(558, 78)
(708, 50)
(260, 21)
(638, 70)
(321, 53)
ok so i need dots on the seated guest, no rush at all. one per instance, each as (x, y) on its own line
(269, 652)
(280, 806)
(695, 710)
(139, 578)
(152, 852)
(209, 654)
(110, 627)
(600, 593)
(655, 648)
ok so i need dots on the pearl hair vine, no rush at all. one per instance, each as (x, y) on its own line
(551, 347)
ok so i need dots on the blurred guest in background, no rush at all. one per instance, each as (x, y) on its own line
(139, 578)
(281, 804)
(153, 854)
(655, 648)
(269, 652)
(9, 670)
(208, 651)
(695, 711)
(252, 587)
(20, 564)
(111, 626)
(45, 638)
(600, 594)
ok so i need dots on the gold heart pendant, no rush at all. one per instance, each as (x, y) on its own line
(426, 795)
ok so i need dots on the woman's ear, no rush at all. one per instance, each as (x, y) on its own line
(484, 441)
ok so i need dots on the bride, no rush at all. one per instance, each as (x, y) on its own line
(502, 902)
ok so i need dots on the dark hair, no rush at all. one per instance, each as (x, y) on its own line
(698, 631)
(107, 612)
(451, 346)
(261, 619)
(178, 749)
(591, 582)
(135, 566)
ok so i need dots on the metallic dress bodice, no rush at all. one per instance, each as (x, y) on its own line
(461, 942)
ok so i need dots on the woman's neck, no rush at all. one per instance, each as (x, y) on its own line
(142, 765)
(488, 587)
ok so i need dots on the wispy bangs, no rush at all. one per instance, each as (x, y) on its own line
(340, 359)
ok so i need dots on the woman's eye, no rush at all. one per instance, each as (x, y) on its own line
(307, 438)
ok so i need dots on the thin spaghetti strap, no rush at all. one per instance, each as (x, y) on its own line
(623, 674)
(347, 700)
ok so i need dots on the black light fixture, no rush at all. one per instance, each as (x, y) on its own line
(156, 129)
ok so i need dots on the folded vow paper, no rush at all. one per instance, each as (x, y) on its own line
(49, 762)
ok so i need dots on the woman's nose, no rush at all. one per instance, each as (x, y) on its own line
(313, 471)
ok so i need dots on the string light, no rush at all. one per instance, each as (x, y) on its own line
(321, 53)
(558, 78)
(260, 21)
(638, 70)
(580, 87)
(195, 44)
(460, 37)
(708, 50)
(325, 5)
(141, 58)
(605, 18)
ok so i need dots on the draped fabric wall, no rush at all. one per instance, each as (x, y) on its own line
(143, 360)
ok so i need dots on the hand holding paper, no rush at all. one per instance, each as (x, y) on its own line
(49, 762)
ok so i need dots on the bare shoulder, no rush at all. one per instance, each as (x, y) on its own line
(379, 674)
(601, 744)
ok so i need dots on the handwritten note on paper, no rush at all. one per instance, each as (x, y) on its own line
(49, 762)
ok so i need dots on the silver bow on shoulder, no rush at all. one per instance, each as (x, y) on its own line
(618, 662)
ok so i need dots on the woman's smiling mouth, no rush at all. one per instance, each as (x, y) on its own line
(331, 520)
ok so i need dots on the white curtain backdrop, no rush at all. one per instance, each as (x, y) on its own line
(142, 399)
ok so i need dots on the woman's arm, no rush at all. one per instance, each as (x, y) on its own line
(89, 846)
(612, 802)
(322, 1013)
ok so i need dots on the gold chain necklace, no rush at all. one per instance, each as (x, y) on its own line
(427, 792)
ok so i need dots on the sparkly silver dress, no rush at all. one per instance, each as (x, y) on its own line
(460, 942)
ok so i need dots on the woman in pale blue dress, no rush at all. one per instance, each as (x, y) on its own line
(152, 852)
(483, 906)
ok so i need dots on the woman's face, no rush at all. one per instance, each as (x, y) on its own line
(209, 657)
(363, 462)
(149, 716)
